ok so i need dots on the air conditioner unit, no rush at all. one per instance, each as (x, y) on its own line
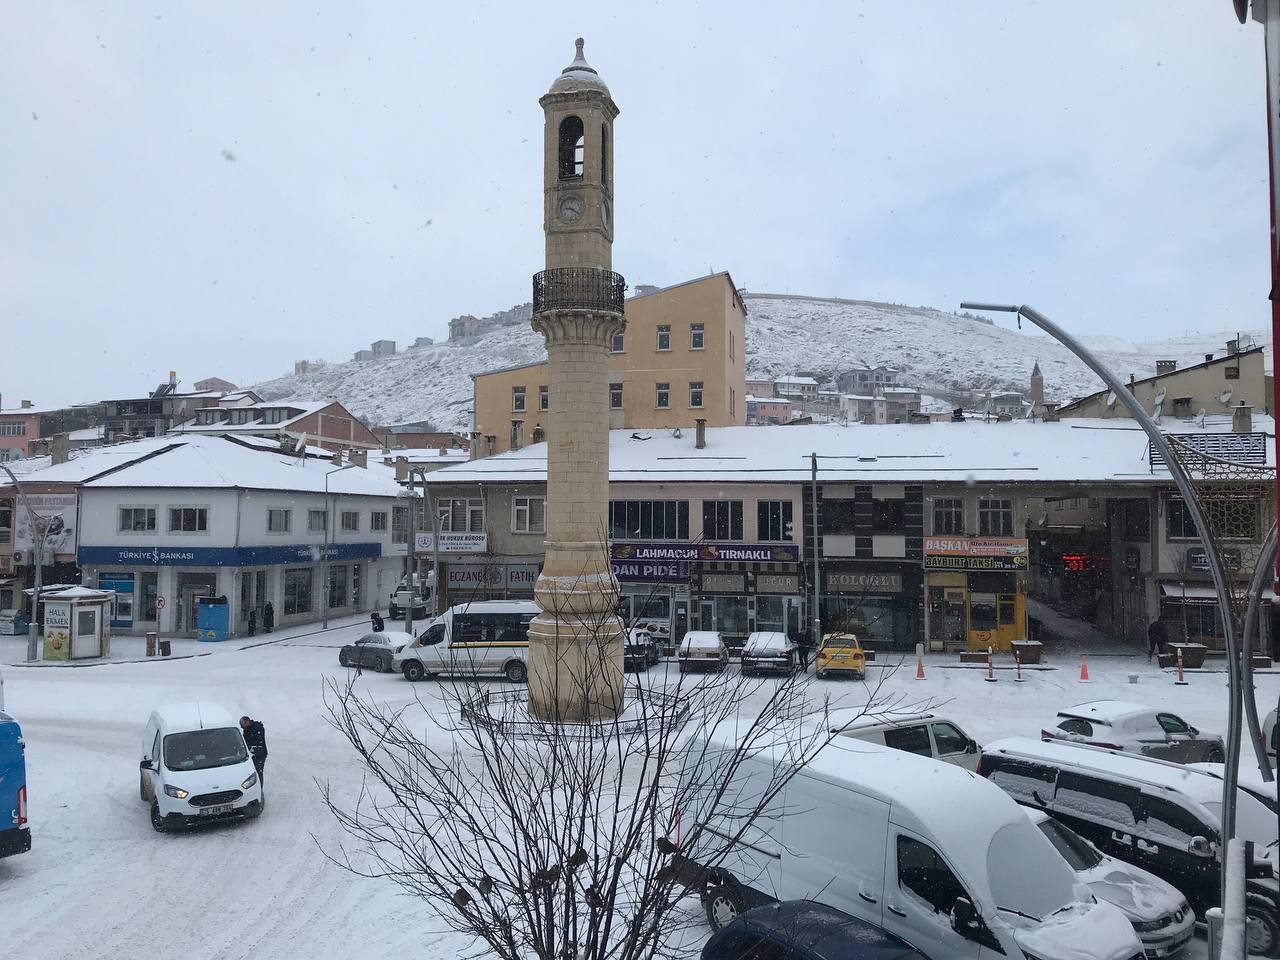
(19, 558)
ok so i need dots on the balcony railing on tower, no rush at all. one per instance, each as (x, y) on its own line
(578, 288)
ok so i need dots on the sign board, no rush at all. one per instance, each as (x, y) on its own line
(975, 553)
(57, 630)
(159, 603)
(860, 582)
(453, 542)
(225, 556)
(463, 578)
(651, 571)
(777, 583)
(723, 583)
(60, 510)
(1198, 560)
(708, 552)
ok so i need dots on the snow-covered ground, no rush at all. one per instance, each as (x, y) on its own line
(100, 882)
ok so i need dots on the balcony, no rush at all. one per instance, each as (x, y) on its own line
(578, 288)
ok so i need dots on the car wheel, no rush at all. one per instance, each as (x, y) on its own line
(722, 901)
(1215, 755)
(413, 671)
(516, 671)
(343, 659)
(1261, 929)
(157, 821)
(142, 787)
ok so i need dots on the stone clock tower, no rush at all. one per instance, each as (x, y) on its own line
(575, 642)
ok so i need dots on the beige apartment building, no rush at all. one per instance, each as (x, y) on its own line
(681, 359)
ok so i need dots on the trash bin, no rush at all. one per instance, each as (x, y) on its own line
(151, 644)
(164, 648)
(213, 618)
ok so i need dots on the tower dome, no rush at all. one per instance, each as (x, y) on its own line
(578, 76)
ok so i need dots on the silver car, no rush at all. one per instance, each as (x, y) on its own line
(1133, 727)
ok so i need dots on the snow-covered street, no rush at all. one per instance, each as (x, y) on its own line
(99, 874)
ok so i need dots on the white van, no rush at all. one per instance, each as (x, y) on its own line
(926, 734)
(196, 768)
(927, 851)
(474, 639)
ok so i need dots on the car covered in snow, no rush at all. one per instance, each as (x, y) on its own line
(928, 734)
(768, 652)
(196, 767)
(1118, 725)
(1160, 914)
(804, 930)
(640, 650)
(702, 650)
(1271, 736)
(375, 650)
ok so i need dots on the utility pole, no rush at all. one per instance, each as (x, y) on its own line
(39, 529)
(413, 551)
(817, 548)
(328, 522)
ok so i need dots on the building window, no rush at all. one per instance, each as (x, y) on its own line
(730, 344)
(604, 154)
(350, 521)
(6, 522)
(517, 399)
(664, 336)
(773, 521)
(995, 518)
(838, 516)
(317, 521)
(1182, 406)
(948, 517)
(617, 343)
(544, 398)
(279, 520)
(572, 148)
(399, 524)
(649, 519)
(188, 519)
(297, 591)
(1231, 373)
(664, 396)
(887, 516)
(338, 579)
(132, 519)
(13, 429)
(733, 404)
(695, 393)
(615, 396)
(696, 336)
(461, 516)
(1178, 524)
(721, 519)
(1135, 519)
(529, 515)
(378, 521)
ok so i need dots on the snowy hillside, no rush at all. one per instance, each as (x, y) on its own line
(940, 352)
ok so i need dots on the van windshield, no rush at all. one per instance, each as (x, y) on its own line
(1026, 873)
(202, 749)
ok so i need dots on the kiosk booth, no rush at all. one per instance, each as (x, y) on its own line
(76, 623)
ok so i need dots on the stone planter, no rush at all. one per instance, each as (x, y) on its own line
(1192, 654)
(1167, 660)
(1028, 651)
(973, 656)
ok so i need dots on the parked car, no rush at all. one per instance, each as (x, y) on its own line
(640, 650)
(768, 652)
(1118, 725)
(702, 650)
(804, 930)
(840, 653)
(196, 768)
(1271, 736)
(925, 850)
(927, 734)
(1155, 814)
(15, 835)
(1160, 914)
(375, 651)
(472, 639)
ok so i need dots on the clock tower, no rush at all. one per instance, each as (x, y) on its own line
(576, 640)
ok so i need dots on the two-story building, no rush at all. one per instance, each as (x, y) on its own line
(154, 415)
(321, 423)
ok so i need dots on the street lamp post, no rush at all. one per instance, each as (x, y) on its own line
(39, 529)
(328, 522)
(1231, 770)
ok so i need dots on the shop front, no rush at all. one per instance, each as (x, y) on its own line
(489, 578)
(1189, 609)
(976, 592)
(879, 602)
(654, 595)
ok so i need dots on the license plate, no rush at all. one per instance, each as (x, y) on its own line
(216, 810)
(841, 656)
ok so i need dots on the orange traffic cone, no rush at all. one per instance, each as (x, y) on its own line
(919, 668)
(1084, 670)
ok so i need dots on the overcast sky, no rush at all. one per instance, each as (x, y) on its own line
(223, 188)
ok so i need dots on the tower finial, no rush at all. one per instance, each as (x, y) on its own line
(580, 43)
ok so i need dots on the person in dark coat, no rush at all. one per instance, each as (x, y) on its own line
(376, 619)
(268, 617)
(804, 647)
(1157, 638)
(255, 738)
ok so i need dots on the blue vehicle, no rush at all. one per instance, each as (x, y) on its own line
(15, 837)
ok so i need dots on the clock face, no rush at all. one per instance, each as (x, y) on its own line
(571, 208)
(606, 212)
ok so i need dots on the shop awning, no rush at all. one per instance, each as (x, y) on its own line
(1200, 593)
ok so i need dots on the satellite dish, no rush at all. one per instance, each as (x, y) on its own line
(1111, 399)
(1160, 394)
(1225, 395)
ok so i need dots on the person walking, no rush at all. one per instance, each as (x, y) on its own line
(1157, 638)
(255, 738)
(378, 624)
(268, 617)
(805, 649)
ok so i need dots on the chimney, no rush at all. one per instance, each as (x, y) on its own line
(489, 441)
(402, 469)
(60, 450)
(517, 431)
(337, 458)
(26, 404)
(700, 433)
(173, 378)
(360, 458)
(1242, 419)
(1233, 347)
(1208, 357)
(1165, 366)
(1050, 412)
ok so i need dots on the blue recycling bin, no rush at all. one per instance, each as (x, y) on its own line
(213, 619)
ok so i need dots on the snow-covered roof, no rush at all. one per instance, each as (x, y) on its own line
(1076, 450)
(85, 464)
(89, 433)
(803, 381)
(304, 407)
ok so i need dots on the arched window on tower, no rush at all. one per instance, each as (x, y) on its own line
(572, 147)
(604, 155)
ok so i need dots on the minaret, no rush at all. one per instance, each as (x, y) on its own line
(575, 643)
(1037, 387)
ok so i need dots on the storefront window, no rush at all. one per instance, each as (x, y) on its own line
(149, 590)
(726, 614)
(338, 578)
(297, 591)
(1178, 524)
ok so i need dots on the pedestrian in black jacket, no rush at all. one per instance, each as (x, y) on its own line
(268, 617)
(255, 738)
(1157, 638)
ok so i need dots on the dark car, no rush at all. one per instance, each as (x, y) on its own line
(374, 651)
(640, 651)
(804, 930)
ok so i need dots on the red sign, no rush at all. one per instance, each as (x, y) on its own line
(159, 603)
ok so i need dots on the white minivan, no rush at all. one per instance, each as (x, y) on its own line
(196, 768)
(482, 638)
(926, 850)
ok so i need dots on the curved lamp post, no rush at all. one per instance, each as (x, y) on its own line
(39, 528)
(1231, 769)
(328, 522)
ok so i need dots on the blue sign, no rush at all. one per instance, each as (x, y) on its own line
(225, 556)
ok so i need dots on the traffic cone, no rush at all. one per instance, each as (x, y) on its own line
(1017, 659)
(991, 669)
(1182, 680)
(1084, 670)
(919, 668)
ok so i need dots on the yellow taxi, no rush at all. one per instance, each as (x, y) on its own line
(841, 653)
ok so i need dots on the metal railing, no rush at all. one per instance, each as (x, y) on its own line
(578, 288)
